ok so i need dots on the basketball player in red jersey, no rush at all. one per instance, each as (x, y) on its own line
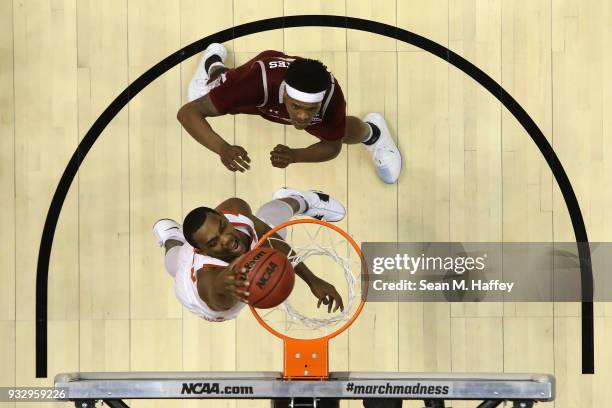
(288, 90)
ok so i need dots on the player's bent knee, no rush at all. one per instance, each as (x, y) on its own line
(236, 204)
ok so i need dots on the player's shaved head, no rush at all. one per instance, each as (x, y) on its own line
(308, 75)
(193, 221)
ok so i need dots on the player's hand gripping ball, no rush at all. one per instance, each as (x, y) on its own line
(270, 276)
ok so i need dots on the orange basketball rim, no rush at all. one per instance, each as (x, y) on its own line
(308, 359)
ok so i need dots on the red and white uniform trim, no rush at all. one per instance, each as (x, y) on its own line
(185, 282)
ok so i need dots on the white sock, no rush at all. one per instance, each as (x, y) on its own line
(171, 261)
(275, 212)
(302, 202)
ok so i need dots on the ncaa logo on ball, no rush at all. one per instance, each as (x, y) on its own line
(270, 269)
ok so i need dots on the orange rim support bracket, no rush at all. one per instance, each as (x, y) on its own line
(308, 359)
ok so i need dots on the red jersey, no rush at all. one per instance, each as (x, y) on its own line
(257, 88)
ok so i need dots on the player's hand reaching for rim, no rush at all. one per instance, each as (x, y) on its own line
(235, 158)
(327, 295)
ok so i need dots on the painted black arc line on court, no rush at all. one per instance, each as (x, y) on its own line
(588, 365)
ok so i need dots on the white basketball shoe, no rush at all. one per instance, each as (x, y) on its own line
(320, 205)
(198, 84)
(386, 155)
(166, 229)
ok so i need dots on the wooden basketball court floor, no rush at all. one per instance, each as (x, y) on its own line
(471, 173)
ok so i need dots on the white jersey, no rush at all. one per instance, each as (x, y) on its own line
(186, 281)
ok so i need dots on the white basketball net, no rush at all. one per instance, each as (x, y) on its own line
(316, 240)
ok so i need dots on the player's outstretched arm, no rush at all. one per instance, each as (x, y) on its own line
(282, 156)
(192, 117)
(222, 287)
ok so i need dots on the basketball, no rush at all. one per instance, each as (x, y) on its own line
(271, 277)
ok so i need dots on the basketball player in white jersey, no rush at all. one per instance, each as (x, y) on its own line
(200, 253)
(289, 90)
